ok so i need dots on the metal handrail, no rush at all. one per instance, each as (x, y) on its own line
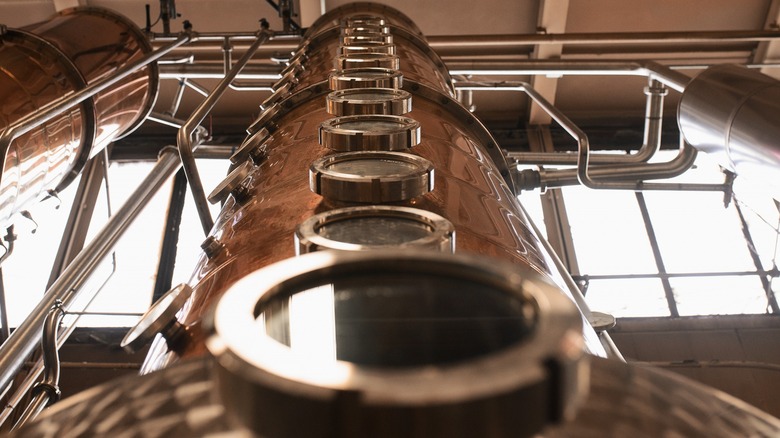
(185, 139)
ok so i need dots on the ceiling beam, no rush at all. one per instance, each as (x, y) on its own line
(768, 51)
(552, 19)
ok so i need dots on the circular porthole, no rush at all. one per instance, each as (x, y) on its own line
(387, 49)
(405, 341)
(375, 227)
(366, 78)
(371, 177)
(364, 60)
(369, 132)
(366, 101)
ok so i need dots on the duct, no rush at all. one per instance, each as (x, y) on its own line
(68, 286)
(185, 140)
(732, 112)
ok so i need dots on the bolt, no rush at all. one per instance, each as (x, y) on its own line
(258, 155)
(241, 194)
(212, 247)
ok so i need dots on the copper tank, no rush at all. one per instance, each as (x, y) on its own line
(45, 61)
(471, 178)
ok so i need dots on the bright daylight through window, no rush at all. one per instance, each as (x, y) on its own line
(709, 258)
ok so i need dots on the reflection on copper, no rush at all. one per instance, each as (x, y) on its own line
(469, 189)
(35, 73)
(46, 61)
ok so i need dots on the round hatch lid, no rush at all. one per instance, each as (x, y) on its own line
(417, 336)
(375, 227)
(370, 133)
(234, 178)
(364, 20)
(367, 59)
(371, 176)
(356, 101)
(366, 78)
(160, 318)
(253, 142)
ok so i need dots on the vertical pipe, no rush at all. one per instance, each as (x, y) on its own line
(67, 287)
(6, 330)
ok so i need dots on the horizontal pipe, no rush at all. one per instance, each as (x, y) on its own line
(676, 275)
(439, 42)
(67, 287)
(211, 40)
(213, 71)
(652, 130)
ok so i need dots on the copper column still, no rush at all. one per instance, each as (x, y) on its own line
(341, 213)
(276, 171)
(45, 61)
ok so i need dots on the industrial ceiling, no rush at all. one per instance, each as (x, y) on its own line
(480, 35)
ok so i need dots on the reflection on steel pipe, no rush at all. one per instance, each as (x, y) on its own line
(47, 391)
(68, 286)
(732, 113)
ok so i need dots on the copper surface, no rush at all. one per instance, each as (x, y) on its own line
(111, 42)
(45, 62)
(469, 192)
(33, 74)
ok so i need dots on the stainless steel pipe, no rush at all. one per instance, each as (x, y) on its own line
(48, 388)
(652, 132)
(185, 141)
(68, 286)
